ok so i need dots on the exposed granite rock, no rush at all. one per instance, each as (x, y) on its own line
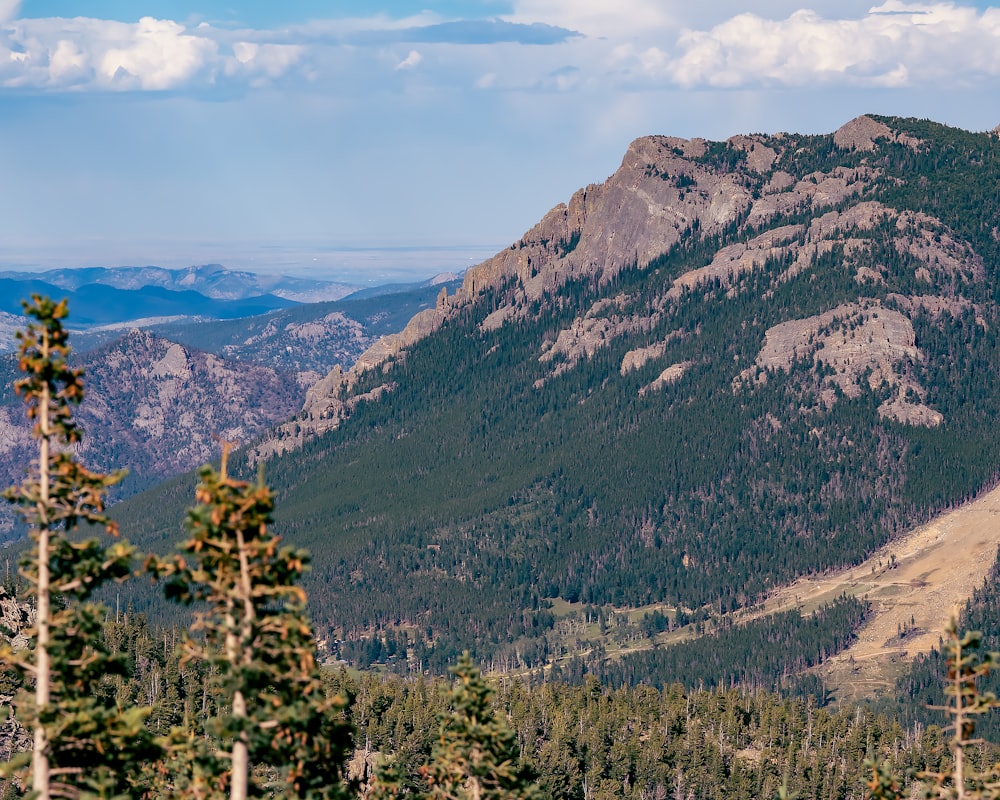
(801, 245)
(862, 133)
(855, 341)
(634, 216)
(816, 191)
(760, 157)
(638, 358)
(671, 374)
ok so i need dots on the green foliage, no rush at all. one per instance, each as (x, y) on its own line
(275, 718)
(475, 756)
(85, 744)
(640, 742)
(763, 653)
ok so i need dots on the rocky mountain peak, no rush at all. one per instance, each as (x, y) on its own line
(669, 189)
(862, 133)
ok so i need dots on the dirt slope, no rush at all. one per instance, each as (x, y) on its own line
(915, 585)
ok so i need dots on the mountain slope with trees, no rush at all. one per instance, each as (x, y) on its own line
(730, 364)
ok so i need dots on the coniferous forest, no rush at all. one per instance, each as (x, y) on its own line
(314, 624)
(508, 486)
(238, 707)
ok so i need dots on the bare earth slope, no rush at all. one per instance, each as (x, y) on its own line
(915, 584)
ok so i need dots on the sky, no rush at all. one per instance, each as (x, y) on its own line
(376, 140)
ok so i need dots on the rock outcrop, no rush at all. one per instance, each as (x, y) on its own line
(854, 342)
(862, 133)
(668, 189)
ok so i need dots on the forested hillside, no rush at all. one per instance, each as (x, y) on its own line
(731, 364)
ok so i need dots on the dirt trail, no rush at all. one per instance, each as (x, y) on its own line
(915, 585)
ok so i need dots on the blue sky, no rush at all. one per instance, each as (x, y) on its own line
(377, 139)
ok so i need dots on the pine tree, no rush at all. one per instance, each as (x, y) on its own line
(279, 731)
(476, 755)
(965, 702)
(84, 745)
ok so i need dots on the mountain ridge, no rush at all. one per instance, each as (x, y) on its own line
(809, 369)
(550, 254)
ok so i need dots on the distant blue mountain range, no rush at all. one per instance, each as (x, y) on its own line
(97, 304)
(210, 280)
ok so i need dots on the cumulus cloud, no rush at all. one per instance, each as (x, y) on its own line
(894, 44)
(154, 55)
(628, 44)
(413, 59)
(151, 55)
(9, 9)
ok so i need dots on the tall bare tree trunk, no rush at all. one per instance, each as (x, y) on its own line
(241, 759)
(240, 774)
(40, 759)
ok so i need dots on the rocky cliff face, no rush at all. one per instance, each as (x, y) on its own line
(157, 408)
(810, 368)
(669, 189)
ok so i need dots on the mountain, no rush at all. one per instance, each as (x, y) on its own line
(440, 279)
(156, 408)
(728, 365)
(114, 299)
(96, 304)
(306, 340)
(210, 280)
(160, 400)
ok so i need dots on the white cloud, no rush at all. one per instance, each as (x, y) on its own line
(9, 9)
(412, 60)
(151, 55)
(628, 45)
(895, 44)
(156, 55)
(598, 18)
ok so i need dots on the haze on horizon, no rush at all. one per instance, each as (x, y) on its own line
(415, 137)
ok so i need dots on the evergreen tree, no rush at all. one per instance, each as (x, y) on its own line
(964, 703)
(85, 744)
(278, 730)
(475, 756)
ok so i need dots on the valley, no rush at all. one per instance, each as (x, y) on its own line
(729, 367)
(695, 469)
